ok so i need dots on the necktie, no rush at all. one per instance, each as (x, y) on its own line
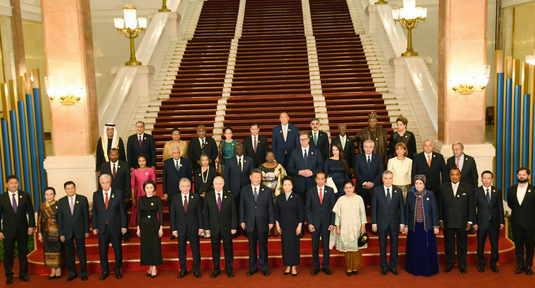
(488, 195)
(316, 138)
(321, 197)
(305, 157)
(239, 164)
(114, 171)
(14, 203)
(429, 161)
(369, 162)
(255, 143)
(176, 165)
(458, 163)
(186, 204)
(106, 200)
(343, 143)
(203, 143)
(219, 202)
(255, 194)
(140, 141)
(388, 198)
(454, 190)
(72, 205)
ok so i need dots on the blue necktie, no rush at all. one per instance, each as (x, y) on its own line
(305, 157)
(388, 198)
(369, 161)
(176, 165)
(255, 193)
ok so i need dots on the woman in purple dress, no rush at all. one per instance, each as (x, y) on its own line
(139, 176)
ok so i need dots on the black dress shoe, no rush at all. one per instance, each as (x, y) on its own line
(182, 274)
(104, 275)
(519, 269)
(349, 274)
(84, 278)
(9, 281)
(71, 278)
(494, 268)
(448, 269)
(463, 270)
(327, 271)
(294, 275)
(384, 271)
(153, 276)
(287, 273)
(51, 277)
(24, 278)
(148, 274)
(355, 272)
(528, 270)
(251, 272)
(230, 274)
(118, 275)
(315, 271)
(394, 271)
(215, 274)
(196, 274)
(266, 273)
(481, 268)
(58, 276)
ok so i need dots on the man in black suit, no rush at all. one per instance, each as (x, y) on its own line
(120, 180)
(174, 169)
(237, 172)
(521, 200)
(109, 223)
(320, 218)
(388, 216)
(432, 165)
(368, 168)
(202, 145)
(256, 151)
(110, 140)
(489, 220)
(15, 206)
(73, 225)
(456, 214)
(141, 143)
(257, 218)
(305, 162)
(221, 222)
(284, 139)
(319, 138)
(348, 145)
(465, 163)
(187, 224)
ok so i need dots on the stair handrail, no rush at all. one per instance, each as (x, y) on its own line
(420, 87)
(126, 76)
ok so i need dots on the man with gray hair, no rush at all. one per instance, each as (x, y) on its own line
(388, 216)
(368, 168)
(465, 163)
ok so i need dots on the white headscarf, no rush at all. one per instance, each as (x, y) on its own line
(104, 140)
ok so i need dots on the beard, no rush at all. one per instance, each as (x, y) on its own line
(523, 180)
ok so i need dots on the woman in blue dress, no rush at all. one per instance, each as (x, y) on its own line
(226, 148)
(336, 167)
(422, 226)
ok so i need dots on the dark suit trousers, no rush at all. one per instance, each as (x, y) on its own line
(193, 238)
(9, 253)
(325, 234)
(227, 248)
(366, 195)
(493, 238)
(69, 255)
(262, 239)
(104, 239)
(449, 246)
(524, 237)
(393, 233)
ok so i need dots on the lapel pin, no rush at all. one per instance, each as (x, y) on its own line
(225, 197)
(529, 191)
(144, 138)
(199, 174)
(146, 173)
(191, 196)
(289, 129)
(280, 131)
(258, 141)
(232, 144)
(56, 207)
(434, 155)
(376, 139)
(493, 191)
(180, 165)
(395, 191)
(458, 196)
(312, 153)
(244, 160)
(21, 196)
(262, 189)
(119, 167)
(112, 196)
(151, 204)
(427, 199)
(77, 202)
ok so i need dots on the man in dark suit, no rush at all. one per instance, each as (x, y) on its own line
(456, 214)
(256, 146)
(120, 180)
(521, 200)
(284, 139)
(174, 169)
(257, 218)
(187, 224)
(15, 206)
(305, 162)
(388, 218)
(432, 165)
(221, 222)
(73, 226)
(368, 168)
(348, 145)
(465, 163)
(202, 145)
(141, 143)
(109, 223)
(237, 171)
(319, 138)
(489, 220)
(320, 218)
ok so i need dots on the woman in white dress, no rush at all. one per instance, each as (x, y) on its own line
(401, 167)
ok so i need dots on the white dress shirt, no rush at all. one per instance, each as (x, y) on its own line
(521, 193)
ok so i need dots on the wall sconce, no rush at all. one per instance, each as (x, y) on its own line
(131, 26)
(58, 91)
(470, 79)
(409, 17)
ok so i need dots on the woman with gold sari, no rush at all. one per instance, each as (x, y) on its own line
(47, 230)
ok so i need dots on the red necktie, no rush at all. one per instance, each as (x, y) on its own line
(106, 200)
(321, 197)
(114, 171)
(186, 204)
(458, 162)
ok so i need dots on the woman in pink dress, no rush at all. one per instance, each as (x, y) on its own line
(139, 176)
